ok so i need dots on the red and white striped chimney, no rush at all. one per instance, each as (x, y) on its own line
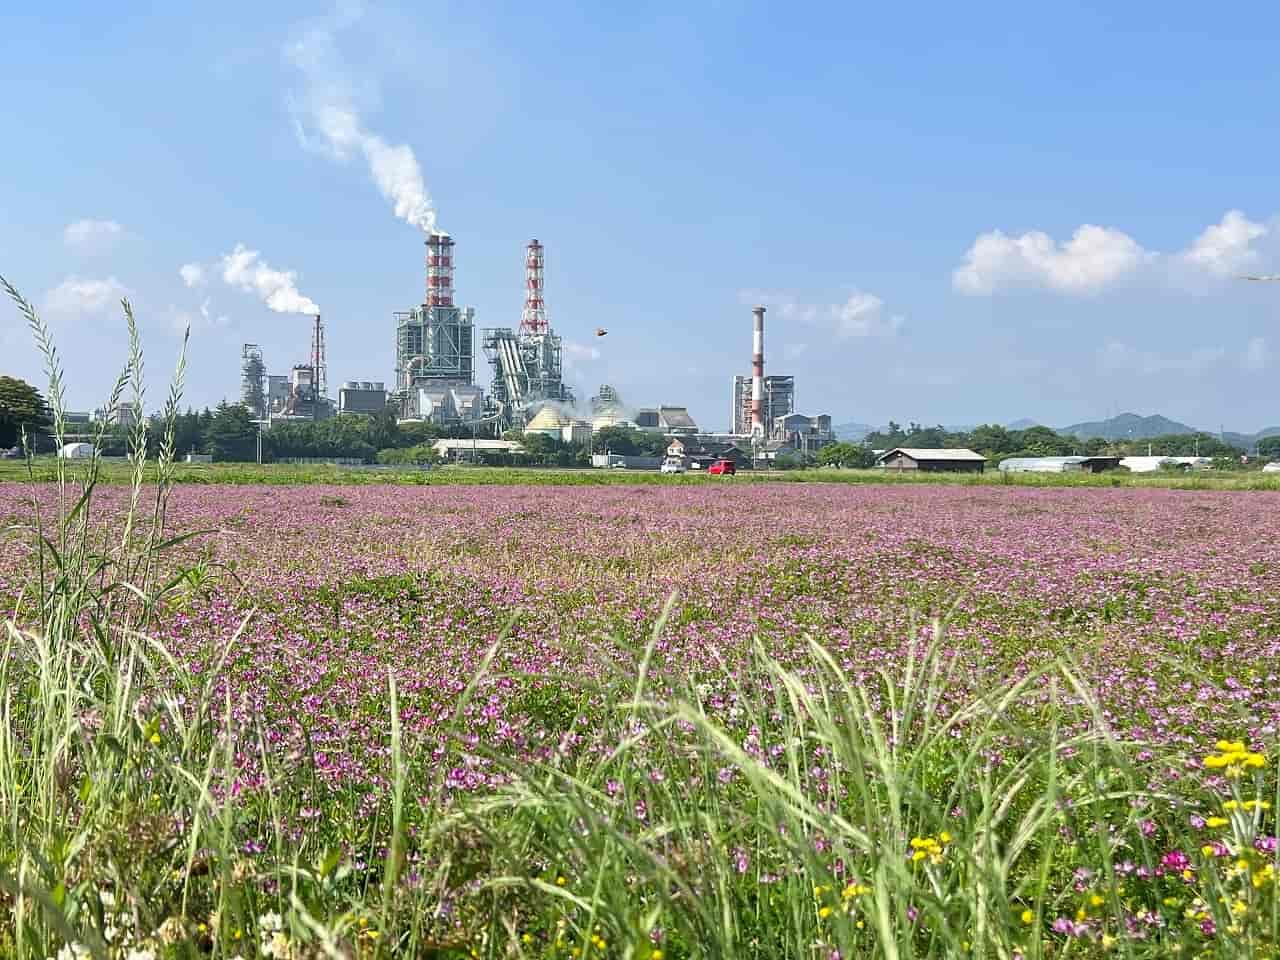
(439, 270)
(757, 373)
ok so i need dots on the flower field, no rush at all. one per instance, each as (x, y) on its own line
(800, 720)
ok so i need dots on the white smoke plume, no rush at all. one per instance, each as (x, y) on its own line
(326, 117)
(242, 269)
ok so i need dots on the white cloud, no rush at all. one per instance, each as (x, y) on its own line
(1257, 355)
(861, 315)
(1118, 357)
(326, 111)
(204, 319)
(192, 275)
(1225, 248)
(1093, 258)
(278, 289)
(79, 295)
(92, 235)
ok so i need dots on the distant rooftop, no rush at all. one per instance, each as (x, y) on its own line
(938, 453)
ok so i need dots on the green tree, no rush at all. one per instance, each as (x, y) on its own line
(991, 438)
(1043, 442)
(382, 431)
(21, 407)
(846, 455)
(232, 434)
(620, 440)
(1269, 447)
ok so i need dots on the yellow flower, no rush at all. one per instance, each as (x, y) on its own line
(1216, 822)
(155, 739)
(656, 955)
(1233, 757)
(561, 881)
(1096, 901)
(1230, 805)
(526, 938)
(944, 837)
(1108, 941)
(1028, 916)
(824, 912)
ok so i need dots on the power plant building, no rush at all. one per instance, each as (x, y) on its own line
(527, 365)
(779, 400)
(435, 364)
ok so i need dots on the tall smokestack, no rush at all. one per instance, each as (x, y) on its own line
(439, 270)
(533, 319)
(757, 373)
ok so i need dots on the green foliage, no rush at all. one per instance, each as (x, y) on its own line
(420, 454)
(21, 408)
(232, 434)
(846, 455)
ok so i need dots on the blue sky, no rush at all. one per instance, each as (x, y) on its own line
(956, 213)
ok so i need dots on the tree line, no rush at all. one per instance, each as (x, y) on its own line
(997, 443)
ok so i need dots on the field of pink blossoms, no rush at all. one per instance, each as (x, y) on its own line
(929, 720)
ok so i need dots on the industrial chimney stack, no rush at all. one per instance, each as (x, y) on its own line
(757, 373)
(439, 270)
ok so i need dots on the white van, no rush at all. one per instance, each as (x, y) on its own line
(672, 465)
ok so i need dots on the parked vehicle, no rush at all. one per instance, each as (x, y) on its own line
(672, 465)
(723, 468)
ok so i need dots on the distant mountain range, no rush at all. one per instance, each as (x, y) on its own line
(1131, 426)
(1126, 426)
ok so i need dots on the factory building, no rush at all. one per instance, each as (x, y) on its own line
(676, 420)
(527, 364)
(607, 398)
(362, 396)
(802, 433)
(435, 344)
(303, 400)
(779, 400)
(647, 419)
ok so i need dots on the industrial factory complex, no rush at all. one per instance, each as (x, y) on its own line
(435, 382)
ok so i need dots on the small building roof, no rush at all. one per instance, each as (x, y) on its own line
(504, 446)
(935, 453)
(1027, 463)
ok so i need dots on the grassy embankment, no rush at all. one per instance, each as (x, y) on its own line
(45, 469)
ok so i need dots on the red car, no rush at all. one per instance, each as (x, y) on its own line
(722, 468)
